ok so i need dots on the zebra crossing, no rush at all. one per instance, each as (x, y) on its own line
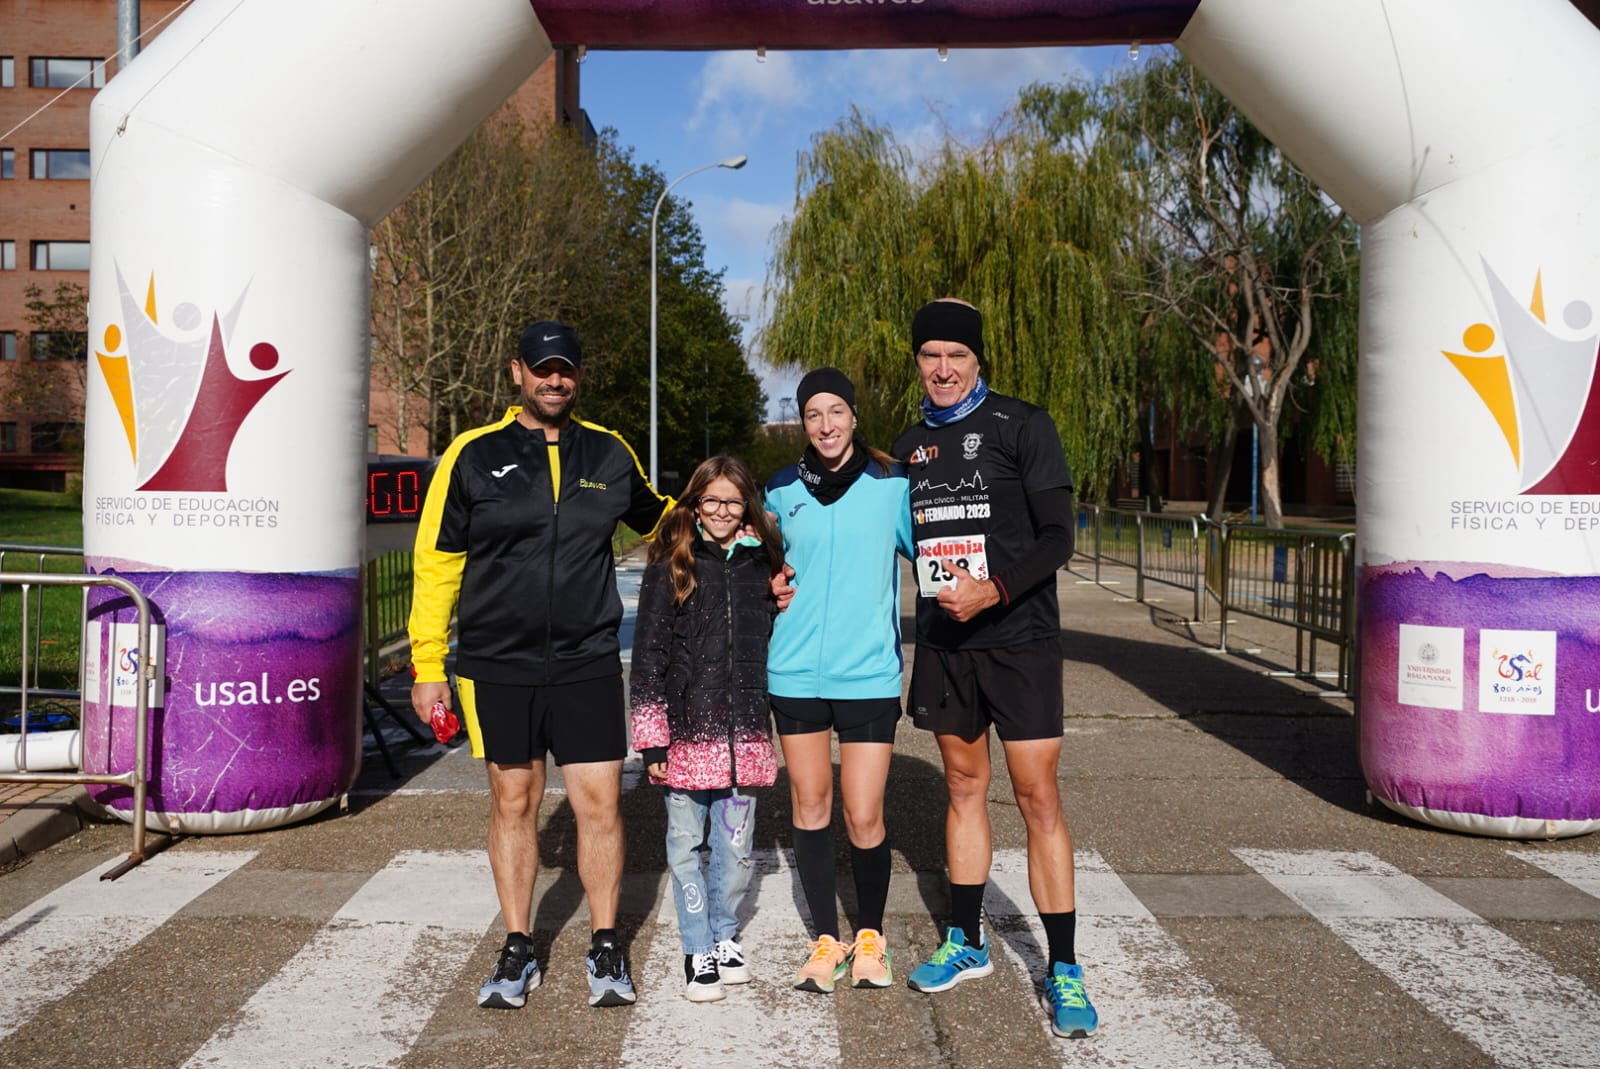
(409, 929)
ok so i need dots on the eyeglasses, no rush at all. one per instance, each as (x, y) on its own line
(710, 505)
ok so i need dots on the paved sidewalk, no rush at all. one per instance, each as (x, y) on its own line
(34, 816)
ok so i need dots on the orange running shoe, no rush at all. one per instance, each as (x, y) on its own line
(826, 964)
(869, 960)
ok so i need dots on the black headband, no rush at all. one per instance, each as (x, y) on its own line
(948, 321)
(825, 380)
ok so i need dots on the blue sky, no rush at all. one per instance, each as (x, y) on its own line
(679, 110)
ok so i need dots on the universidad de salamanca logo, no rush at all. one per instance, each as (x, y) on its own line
(180, 402)
(1538, 384)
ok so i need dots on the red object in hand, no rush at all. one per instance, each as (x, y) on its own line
(444, 722)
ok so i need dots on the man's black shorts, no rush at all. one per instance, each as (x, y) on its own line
(576, 723)
(856, 719)
(962, 692)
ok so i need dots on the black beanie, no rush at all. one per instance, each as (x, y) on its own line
(948, 321)
(825, 380)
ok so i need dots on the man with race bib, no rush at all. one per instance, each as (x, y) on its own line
(992, 519)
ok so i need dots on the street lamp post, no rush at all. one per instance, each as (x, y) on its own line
(733, 163)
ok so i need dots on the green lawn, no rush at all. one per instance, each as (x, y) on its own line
(35, 518)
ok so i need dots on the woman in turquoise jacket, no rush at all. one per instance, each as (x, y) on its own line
(834, 665)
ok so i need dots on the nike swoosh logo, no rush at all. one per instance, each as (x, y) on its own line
(550, 337)
(502, 471)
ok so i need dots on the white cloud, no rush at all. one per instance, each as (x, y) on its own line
(738, 94)
(890, 79)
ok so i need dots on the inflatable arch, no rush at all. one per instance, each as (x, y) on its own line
(240, 161)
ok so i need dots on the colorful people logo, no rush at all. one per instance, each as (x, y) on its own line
(1540, 389)
(181, 404)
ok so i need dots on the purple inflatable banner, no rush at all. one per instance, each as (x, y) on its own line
(251, 725)
(807, 24)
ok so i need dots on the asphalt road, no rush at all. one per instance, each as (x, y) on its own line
(1241, 904)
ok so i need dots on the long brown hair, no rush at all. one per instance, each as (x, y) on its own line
(675, 540)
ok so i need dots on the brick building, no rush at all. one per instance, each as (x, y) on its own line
(54, 55)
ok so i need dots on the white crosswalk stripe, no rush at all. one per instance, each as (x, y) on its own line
(1580, 870)
(403, 937)
(1156, 1012)
(1443, 955)
(794, 1028)
(65, 937)
(409, 930)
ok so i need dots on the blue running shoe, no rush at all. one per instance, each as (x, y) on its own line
(951, 963)
(1071, 1014)
(514, 976)
(609, 983)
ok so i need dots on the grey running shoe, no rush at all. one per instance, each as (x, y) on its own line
(514, 976)
(609, 983)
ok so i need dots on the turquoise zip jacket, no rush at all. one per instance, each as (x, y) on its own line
(840, 636)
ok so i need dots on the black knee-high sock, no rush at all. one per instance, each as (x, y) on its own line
(872, 883)
(966, 907)
(1060, 931)
(813, 856)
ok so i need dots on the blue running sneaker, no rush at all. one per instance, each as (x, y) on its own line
(514, 976)
(609, 983)
(1071, 1014)
(951, 963)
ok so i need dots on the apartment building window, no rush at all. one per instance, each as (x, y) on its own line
(59, 163)
(8, 437)
(66, 72)
(61, 256)
(8, 72)
(8, 345)
(8, 163)
(8, 255)
(59, 345)
(55, 438)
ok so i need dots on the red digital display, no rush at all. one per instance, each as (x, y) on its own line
(396, 487)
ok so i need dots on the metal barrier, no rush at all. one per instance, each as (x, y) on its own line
(17, 557)
(1299, 577)
(1160, 548)
(388, 599)
(137, 777)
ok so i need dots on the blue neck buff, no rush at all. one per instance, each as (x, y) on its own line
(939, 417)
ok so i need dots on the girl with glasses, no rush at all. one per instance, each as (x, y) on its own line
(698, 692)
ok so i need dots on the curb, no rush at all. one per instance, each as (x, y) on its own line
(44, 823)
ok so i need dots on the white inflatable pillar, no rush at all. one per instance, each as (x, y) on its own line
(237, 166)
(1462, 135)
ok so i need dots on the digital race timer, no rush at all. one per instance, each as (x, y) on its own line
(396, 487)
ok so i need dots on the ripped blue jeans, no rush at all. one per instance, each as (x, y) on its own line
(710, 867)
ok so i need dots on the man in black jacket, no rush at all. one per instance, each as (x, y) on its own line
(515, 539)
(991, 510)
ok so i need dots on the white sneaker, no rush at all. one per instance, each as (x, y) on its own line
(731, 965)
(701, 982)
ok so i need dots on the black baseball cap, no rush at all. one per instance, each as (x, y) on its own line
(549, 340)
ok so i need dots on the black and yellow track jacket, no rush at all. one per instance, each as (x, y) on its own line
(515, 539)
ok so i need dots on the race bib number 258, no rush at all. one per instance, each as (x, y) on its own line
(965, 551)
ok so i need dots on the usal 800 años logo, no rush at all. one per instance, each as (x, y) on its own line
(1539, 387)
(180, 403)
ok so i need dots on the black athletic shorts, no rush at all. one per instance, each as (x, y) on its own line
(576, 723)
(855, 719)
(962, 692)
